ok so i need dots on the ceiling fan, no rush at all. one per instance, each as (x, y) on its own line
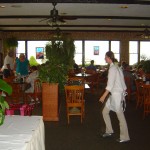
(145, 34)
(55, 19)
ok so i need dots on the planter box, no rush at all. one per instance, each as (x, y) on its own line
(50, 102)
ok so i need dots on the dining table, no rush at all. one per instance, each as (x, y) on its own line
(83, 75)
(22, 133)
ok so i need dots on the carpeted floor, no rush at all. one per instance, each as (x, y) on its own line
(86, 136)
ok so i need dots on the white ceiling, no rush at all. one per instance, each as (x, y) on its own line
(91, 16)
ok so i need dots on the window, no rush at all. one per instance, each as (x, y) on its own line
(21, 48)
(78, 52)
(115, 48)
(144, 50)
(133, 52)
(95, 50)
(32, 49)
(136, 51)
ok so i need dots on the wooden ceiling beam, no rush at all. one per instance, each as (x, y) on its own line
(80, 1)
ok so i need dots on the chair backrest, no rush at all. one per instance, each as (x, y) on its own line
(17, 92)
(37, 86)
(76, 81)
(146, 93)
(128, 83)
(9, 79)
(139, 84)
(74, 94)
(90, 71)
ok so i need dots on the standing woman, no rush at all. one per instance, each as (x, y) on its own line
(22, 65)
(116, 86)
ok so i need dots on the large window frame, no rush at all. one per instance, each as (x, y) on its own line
(98, 48)
(137, 49)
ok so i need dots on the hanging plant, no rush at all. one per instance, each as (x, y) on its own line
(11, 42)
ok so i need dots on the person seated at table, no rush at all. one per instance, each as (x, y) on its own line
(22, 65)
(75, 67)
(140, 71)
(128, 73)
(30, 79)
(91, 66)
(123, 63)
(8, 66)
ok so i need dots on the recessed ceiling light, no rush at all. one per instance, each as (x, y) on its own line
(2, 6)
(142, 24)
(124, 7)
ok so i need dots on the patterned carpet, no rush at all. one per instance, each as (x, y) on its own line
(86, 136)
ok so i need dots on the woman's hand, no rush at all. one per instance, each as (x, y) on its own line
(102, 98)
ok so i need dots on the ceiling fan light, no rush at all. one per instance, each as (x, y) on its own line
(145, 36)
(54, 12)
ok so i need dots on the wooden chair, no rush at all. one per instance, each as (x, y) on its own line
(93, 81)
(139, 93)
(129, 90)
(89, 71)
(75, 101)
(146, 97)
(37, 94)
(76, 80)
(17, 95)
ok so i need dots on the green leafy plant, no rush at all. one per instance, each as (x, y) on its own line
(11, 42)
(146, 66)
(60, 54)
(5, 88)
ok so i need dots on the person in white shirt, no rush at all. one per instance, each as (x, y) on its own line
(116, 86)
(30, 79)
(8, 66)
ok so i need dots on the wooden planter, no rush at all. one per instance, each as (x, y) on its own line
(50, 102)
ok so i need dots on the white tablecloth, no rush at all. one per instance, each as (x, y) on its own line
(22, 133)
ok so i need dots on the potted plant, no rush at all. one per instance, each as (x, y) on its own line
(4, 87)
(11, 43)
(53, 74)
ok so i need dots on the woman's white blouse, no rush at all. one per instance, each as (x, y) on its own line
(115, 81)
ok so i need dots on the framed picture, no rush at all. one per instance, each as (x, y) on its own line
(39, 52)
(96, 50)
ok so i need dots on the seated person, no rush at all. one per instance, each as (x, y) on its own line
(128, 73)
(140, 71)
(30, 79)
(91, 66)
(8, 66)
(123, 63)
(75, 66)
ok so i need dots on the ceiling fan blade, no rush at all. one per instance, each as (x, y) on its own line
(44, 19)
(69, 17)
(61, 19)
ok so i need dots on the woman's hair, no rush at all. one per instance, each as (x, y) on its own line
(110, 54)
(21, 55)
